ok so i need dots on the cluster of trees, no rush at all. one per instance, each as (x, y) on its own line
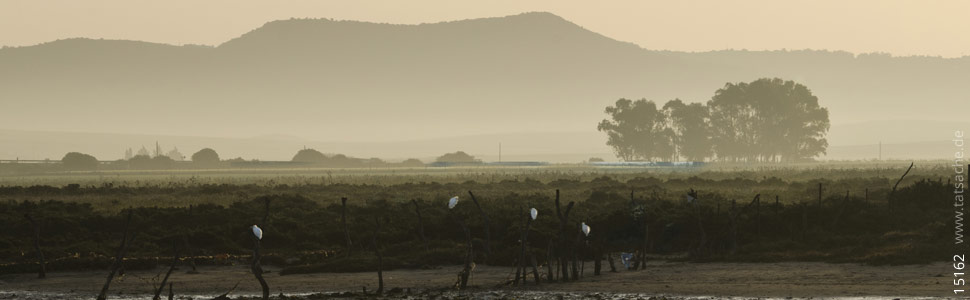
(457, 157)
(208, 158)
(75, 161)
(343, 161)
(767, 120)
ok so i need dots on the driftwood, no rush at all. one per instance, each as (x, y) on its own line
(488, 234)
(893, 192)
(175, 260)
(225, 296)
(122, 250)
(42, 270)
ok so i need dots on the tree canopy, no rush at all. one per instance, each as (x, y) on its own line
(77, 161)
(457, 157)
(309, 155)
(637, 131)
(768, 120)
(206, 156)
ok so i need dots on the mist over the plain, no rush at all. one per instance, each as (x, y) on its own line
(535, 82)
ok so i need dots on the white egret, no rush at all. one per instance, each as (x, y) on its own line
(585, 229)
(452, 202)
(257, 232)
(534, 213)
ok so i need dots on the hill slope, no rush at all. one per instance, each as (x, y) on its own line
(354, 81)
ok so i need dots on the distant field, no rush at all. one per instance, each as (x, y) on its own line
(484, 174)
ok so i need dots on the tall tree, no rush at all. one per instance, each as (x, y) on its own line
(206, 156)
(637, 131)
(79, 161)
(309, 155)
(767, 120)
(692, 129)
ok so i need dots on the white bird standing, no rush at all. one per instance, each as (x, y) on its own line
(585, 229)
(452, 202)
(257, 232)
(534, 213)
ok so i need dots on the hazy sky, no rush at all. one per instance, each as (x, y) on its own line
(897, 27)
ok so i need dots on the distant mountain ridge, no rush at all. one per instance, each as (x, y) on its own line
(347, 80)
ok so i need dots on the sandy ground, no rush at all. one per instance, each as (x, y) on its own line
(790, 279)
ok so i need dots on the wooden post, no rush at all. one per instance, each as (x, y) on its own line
(417, 209)
(122, 249)
(467, 269)
(488, 234)
(733, 229)
(838, 215)
(256, 267)
(171, 295)
(175, 260)
(757, 213)
(576, 245)
(550, 275)
(380, 257)
(563, 219)
(804, 219)
(535, 268)
(343, 221)
(524, 243)
(819, 195)
(609, 259)
(646, 242)
(777, 206)
(42, 271)
(597, 261)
